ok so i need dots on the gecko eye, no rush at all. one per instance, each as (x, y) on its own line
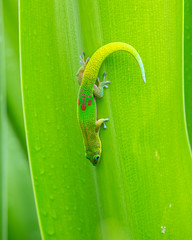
(97, 157)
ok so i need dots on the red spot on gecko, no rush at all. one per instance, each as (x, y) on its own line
(78, 102)
(83, 107)
(89, 102)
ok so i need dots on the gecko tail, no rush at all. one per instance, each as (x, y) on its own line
(142, 70)
(94, 64)
(139, 61)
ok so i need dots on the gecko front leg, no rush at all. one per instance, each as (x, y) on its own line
(98, 90)
(82, 68)
(100, 122)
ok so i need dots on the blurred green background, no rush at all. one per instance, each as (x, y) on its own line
(18, 211)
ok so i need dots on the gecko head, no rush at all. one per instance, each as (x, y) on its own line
(93, 159)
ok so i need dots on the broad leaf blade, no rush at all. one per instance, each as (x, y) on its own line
(144, 178)
(12, 67)
(188, 66)
(62, 178)
(22, 219)
(3, 117)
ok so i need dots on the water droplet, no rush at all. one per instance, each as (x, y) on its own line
(170, 205)
(51, 197)
(157, 155)
(163, 229)
(79, 229)
(51, 232)
(44, 213)
(37, 148)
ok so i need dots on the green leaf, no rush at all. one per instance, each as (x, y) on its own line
(22, 218)
(188, 66)
(142, 188)
(3, 165)
(12, 67)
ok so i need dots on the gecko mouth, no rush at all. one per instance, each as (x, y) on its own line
(93, 161)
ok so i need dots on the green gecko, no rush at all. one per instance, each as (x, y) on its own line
(89, 90)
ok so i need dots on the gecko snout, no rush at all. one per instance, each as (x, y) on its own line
(94, 160)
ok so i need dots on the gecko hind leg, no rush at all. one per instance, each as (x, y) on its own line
(100, 122)
(98, 90)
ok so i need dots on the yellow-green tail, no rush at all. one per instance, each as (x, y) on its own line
(94, 64)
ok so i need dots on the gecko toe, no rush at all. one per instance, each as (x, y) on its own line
(104, 125)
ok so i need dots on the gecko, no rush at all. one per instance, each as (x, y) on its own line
(90, 88)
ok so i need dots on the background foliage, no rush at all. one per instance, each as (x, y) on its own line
(188, 66)
(20, 220)
(143, 183)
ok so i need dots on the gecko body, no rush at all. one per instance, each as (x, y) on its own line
(89, 90)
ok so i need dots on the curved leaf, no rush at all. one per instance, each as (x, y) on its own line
(22, 220)
(188, 66)
(142, 188)
(3, 166)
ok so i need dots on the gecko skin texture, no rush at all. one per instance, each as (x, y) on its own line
(86, 105)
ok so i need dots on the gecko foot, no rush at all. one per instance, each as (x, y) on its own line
(100, 122)
(83, 61)
(104, 125)
(103, 83)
